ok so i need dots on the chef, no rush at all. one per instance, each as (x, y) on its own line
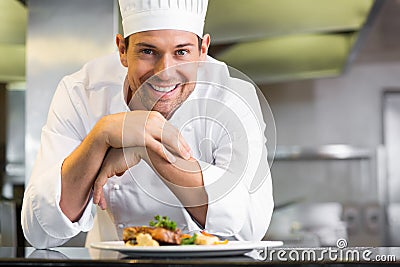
(157, 128)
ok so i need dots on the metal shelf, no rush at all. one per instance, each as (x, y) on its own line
(327, 152)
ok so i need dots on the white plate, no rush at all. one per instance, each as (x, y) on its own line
(230, 249)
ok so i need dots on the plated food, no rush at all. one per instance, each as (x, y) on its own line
(162, 232)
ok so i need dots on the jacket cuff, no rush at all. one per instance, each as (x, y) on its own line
(46, 208)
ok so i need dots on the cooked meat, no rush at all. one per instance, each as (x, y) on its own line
(162, 235)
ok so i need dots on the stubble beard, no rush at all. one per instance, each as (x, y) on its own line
(166, 107)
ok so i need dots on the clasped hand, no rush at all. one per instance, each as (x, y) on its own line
(128, 136)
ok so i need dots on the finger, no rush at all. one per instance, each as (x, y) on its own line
(161, 130)
(98, 186)
(171, 137)
(184, 147)
(171, 158)
(132, 156)
(183, 142)
(160, 150)
(102, 202)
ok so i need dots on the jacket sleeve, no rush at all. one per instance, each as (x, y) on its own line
(43, 223)
(238, 180)
(242, 212)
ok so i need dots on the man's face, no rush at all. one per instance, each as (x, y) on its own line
(154, 54)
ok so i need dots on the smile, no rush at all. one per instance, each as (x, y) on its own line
(164, 89)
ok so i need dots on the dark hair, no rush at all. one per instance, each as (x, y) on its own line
(199, 40)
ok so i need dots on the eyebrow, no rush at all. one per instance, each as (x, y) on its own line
(143, 44)
(184, 45)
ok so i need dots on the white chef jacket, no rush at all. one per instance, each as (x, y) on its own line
(225, 135)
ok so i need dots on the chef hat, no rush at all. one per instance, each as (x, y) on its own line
(146, 15)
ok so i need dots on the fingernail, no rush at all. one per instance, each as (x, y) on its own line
(171, 158)
(187, 153)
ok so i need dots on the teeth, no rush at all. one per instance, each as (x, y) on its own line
(163, 89)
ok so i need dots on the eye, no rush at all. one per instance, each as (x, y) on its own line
(182, 52)
(147, 51)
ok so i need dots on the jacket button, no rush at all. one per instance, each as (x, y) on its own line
(116, 187)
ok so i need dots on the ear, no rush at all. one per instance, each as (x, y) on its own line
(120, 41)
(204, 47)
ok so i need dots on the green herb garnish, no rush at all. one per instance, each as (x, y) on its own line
(189, 240)
(163, 222)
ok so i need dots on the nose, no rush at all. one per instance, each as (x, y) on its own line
(164, 67)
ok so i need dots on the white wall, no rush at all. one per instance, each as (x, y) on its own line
(345, 110)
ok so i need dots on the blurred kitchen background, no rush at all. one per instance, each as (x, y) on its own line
(330, 71)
